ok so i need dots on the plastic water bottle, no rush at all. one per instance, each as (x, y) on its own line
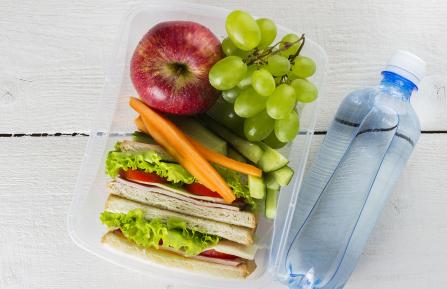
(366, 148)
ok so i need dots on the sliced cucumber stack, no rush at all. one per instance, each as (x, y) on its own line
(250, 150)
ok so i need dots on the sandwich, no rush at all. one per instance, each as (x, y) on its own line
(159, 212)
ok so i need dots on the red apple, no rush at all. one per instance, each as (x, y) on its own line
(170, 66)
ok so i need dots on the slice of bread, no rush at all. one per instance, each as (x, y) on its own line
(132, 146)
(172, 201)
(230, 232)
(172, 260)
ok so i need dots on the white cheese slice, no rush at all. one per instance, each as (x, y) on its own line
(232, 248)
(227, 247)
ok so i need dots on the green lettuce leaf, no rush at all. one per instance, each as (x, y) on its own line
(239, 186)
(149, 162)
(149, 233)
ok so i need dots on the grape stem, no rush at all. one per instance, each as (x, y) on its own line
(292, 57)
(271, 51)
(283, 79)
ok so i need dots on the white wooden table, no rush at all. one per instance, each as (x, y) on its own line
(52, 58)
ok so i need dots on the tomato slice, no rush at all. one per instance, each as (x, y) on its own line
(141, 177)
(201, 190)
(215, 254)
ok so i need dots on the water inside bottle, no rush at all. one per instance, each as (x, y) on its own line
(364, 151)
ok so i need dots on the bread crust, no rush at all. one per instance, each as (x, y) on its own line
(118, 242)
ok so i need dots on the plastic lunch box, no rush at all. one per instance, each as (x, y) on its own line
(114, 121)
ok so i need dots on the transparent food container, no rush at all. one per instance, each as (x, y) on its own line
(114, 121)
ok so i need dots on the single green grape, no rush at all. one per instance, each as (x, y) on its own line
(223, 112)
(258, 127)
(263, 82)
(228, 47)
(273, 142)
(304, 67)
(249, 103)
(230, 95)
(287, 128)
(242, 53)
(289, 38)
(243, 30)
(268, 32)
(227, 72)
(278, 65)
(305, 90)
(281, 102)
(291, 76)
(246, 81)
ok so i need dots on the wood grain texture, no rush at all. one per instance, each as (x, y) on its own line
(37, 176)
(53, 54)
(36, 184)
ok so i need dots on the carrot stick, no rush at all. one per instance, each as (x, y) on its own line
(140, 125)
(177, 144)
(213, 156)
(160, 137)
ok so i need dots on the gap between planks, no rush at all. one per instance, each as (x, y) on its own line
(84, 134)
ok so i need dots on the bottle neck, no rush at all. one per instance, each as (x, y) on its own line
(400, 86)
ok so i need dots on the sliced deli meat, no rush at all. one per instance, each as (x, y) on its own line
(170, 200)
(179, 191)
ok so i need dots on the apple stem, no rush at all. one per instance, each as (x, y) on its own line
(258, 58)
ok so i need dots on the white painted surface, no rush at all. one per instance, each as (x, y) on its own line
(407, 249)
(52, 53)
(52, 57)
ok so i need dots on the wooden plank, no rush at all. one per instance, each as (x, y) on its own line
(37, 176)
(53, 54)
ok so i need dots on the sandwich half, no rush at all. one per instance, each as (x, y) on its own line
(117, 241)
(158, 212)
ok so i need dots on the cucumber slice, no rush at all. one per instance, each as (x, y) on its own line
(139, 136)
(271, 183)
(271, 201)
(250, 150)
(256, 187)
(271, 159)
(201, 134)
(283, 175)
(235, 155)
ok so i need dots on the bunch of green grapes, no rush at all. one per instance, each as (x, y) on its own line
(263, 81)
